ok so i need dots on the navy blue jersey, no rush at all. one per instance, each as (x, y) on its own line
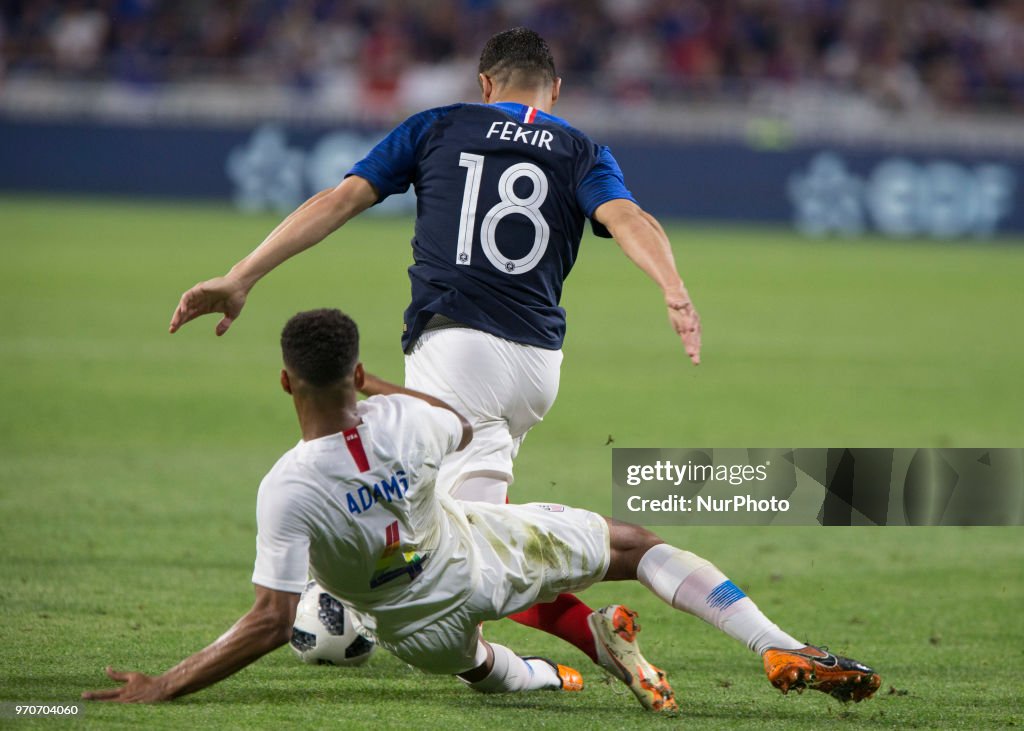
(502, 191)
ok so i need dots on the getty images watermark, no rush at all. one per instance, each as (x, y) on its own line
(667, 472)
(835, 486)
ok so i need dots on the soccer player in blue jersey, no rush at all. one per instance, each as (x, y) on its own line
(503, 190)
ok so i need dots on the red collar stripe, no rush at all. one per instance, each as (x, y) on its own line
(531, 114)
(355, 448)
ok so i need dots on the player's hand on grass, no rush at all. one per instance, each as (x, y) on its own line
(683, 317)
(223, 294)
(137, 688)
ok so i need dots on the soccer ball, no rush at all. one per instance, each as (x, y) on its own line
(326, 633)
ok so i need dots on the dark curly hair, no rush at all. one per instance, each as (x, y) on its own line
(520, 56)
(320, 346)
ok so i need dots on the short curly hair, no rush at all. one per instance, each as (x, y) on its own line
(520, 56)
(320, 346)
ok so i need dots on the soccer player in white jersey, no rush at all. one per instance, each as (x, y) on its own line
(503, 190)
(355, 502)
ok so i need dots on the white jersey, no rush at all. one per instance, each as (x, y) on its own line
(359, 511)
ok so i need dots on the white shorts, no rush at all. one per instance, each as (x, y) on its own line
(526, 554)
(501, 387)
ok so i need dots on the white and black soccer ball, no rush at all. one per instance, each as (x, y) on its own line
(326, 633)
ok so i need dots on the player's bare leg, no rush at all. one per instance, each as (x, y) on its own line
(694, 585)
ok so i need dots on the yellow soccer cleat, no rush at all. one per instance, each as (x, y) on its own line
(615, 629)
(817, 668)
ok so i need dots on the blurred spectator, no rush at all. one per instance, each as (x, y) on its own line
(961, 54)
(77, 37)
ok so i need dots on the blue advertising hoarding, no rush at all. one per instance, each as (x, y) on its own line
(820, 190)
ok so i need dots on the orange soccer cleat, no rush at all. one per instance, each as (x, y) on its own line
(615, 630)
(817, 668)
(570, 678)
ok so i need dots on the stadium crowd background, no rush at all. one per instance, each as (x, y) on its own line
(958, 55)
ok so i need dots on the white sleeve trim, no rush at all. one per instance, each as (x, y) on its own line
(292, 587)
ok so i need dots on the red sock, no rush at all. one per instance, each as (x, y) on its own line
(566, 618)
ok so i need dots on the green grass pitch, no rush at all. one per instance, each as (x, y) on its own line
(129, 461)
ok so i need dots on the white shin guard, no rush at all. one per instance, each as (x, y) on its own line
(512, 674)
(694, 585)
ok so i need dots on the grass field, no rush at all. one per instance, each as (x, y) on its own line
(129, 461)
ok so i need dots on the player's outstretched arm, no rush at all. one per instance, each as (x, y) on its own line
(307, 226)
(264, 628)
(645, 242)
(373, 386)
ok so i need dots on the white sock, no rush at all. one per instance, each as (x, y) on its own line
(512, 674)
(694, 585)
(482, 489)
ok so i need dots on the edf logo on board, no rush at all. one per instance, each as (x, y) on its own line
(899, 197)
